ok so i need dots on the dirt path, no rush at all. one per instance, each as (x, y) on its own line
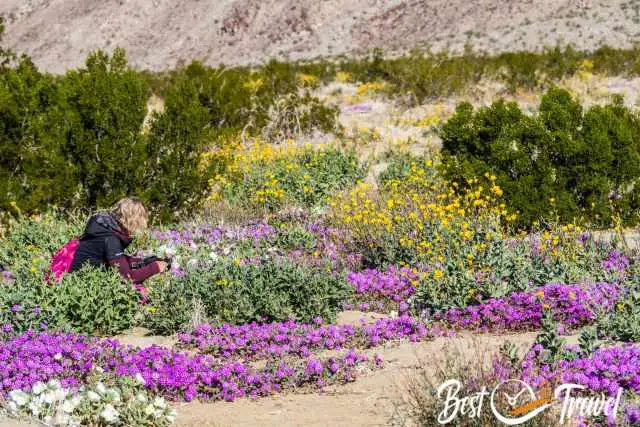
(369, 401)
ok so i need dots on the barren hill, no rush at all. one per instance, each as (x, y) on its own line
(158, 34)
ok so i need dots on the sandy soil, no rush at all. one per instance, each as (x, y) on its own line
(369, 401)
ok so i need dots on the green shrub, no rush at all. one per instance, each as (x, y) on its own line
(292, 238)
(308, 177)
(623, 324)
(92, 301)
(269, 291)
(507, 266)
(21, 308)
(104, 106)
(294, 114)
(174, 181)
(400, 167)
(171, 306)
(563, 162)
(31, 154)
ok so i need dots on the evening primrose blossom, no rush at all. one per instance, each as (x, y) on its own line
(109, 414)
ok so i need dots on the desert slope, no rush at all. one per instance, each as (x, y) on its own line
(158, 34)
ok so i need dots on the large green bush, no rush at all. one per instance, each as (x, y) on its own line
(92, 301)
(565, 162)
(273, 290)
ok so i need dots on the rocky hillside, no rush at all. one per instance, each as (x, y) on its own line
(159, 34)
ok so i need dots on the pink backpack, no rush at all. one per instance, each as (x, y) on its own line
(62, 260)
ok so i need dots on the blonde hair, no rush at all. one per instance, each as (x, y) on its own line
(131, 214)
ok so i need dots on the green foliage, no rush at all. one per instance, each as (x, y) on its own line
(176, 140)
(31, 157)
(623, 323)
(293, 238)
(31, 241)
(424, 75)
(104, 107)
(588, 340)
(269, 291)
(427, 76)
(510, 352)
(306, 178)
(400, 166)
(563, 162)
(21, 310)
(506, 266)
(550, 340)
(92, 301)
(171, 305)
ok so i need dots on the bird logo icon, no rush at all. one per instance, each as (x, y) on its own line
(518, 395)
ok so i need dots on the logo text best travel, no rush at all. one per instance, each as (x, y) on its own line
(520, 403)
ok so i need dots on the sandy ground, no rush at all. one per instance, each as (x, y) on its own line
(369, 401)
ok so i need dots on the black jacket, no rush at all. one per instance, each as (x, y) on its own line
(103, 243)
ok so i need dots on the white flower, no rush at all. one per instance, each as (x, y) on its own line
(98, 369)
(12, 407)
(34, 408)
(226, 250)
(19, 397)
(142, 398)
(62, 419)
(93, 396)
(60, 394)
(171, 415)
(48, 397)
(100, 388)
(76, 400)
(57, 356)
(166, 251)
(148, 410)
(113, 395)
(159, 402)
(38, 387)
(213, 256)
(67, 406)
(54, 384)
(109, 414)
(192, 263)
(140, 379)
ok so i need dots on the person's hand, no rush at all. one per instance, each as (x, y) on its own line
(162, 266)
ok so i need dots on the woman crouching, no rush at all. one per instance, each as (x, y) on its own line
(108, 234)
